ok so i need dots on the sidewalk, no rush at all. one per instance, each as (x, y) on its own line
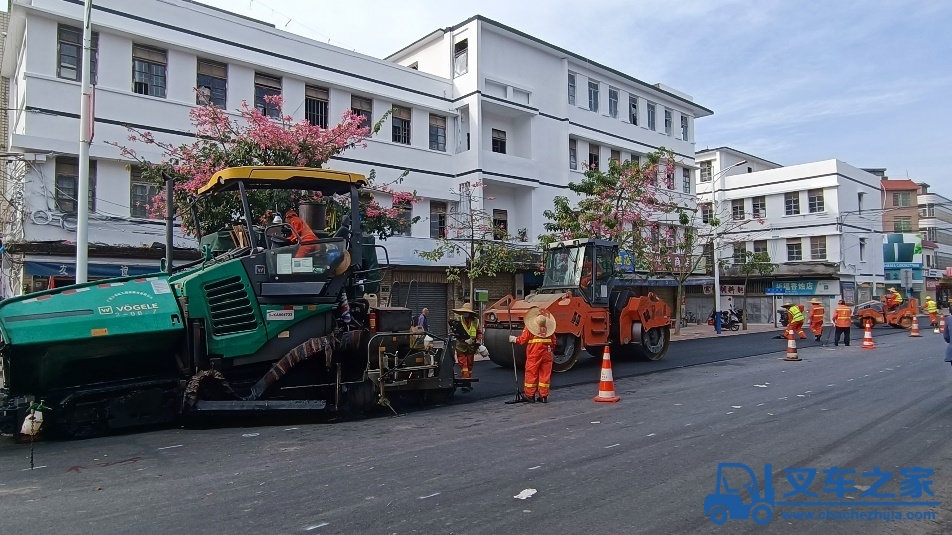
(694, 332)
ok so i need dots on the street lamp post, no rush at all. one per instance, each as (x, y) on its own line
(714, 252)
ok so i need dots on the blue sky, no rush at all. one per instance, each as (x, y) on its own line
(792, 81)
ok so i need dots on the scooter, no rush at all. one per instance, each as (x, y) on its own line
(784, 316)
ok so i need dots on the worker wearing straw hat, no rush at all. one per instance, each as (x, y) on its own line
(466, 329)
(539, 339)
(933, 311)
(817, 317)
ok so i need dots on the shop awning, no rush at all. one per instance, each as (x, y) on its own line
(57, 269)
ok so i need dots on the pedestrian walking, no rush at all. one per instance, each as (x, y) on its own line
(539, 338)
(466, 329)
(945, 334)
(817, 318)
(424, 321)
(842, 321)
(796, 320)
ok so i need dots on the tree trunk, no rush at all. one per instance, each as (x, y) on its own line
(677, 308)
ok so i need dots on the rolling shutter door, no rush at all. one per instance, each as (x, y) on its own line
(666, 294)
(422, 295)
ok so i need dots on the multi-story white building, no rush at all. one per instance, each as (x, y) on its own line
(477, 102)
(935, 224)
(820, 222)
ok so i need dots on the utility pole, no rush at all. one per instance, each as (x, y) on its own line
(85, 140)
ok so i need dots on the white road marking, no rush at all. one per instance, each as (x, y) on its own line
(249, 435)
(34, 468)
(536, 467)
(170, 447)
(759, 404)
(612, 446)
(769, 414)
(429, 495)
(737, 406)
(651, 435)
(527, 493)
(596, 422)
(830, 385)
(732, 412)
(291, 429)
(315, 526)
(761, 386)
(677, 404)
(800, 396)
(848, 380)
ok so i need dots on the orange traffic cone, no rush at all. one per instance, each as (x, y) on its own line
(941, 325)
(915, 326)
(606, 388)
(868, 338)
(792, 347)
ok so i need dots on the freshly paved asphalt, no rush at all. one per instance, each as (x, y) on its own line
(644, 465)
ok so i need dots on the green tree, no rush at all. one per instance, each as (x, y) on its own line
(469, 233)
(754, 264)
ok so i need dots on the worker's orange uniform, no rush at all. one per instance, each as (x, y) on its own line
(308, 239)
(587, 274)
(538, 362)
(796, 321)
(817, 316)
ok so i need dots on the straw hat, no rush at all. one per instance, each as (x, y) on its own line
(816, 301)
(892, 289)
(928, 298)
(344, 264)
(540, 322)
(788, 304)
(467, 308)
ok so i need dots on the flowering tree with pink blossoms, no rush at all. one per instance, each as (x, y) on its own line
(256, 139)
(471, 234)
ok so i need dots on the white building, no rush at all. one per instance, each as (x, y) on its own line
(820, 222)
(478, 102)
(935, 224)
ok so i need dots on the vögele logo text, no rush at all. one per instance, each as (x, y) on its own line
(136, 308)
(738, 495)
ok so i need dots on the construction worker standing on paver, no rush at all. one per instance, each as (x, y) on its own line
(842, 321)
(796, 320)
(933, 311)
(817, 317)
(539, 339)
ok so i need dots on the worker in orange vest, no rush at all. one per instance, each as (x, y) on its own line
(842, 321)
(817, 317)
(796, 320)
(539, 339)
(304, 235)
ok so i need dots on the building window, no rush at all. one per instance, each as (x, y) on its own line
(499, 141)
(142, 192)
(750, 169)
(592, 96)
(859, 202)
(316, 104)
(633, 109)
(572, 88)
(706, 171)
(902, 199)
(930, 233)
(71, 54)
(437, 133)
(684, 128)
(593, 160)
(706, 213)
(616, 156)
(149, 71)
(667, 122)
(613, 103)
(760, 247)
(794, 250)
(212, 83)
(267, 86)
(791, 203)
(862, 249)
(401, 125)
(739, 255)
(686, 176)
(759, 207)
(902, 223)
(67, 184)
(437, 219)
(405, 217)
(737, 209)
(815, 200)
(818, 248)
(363, 107)
(651, 116)
(573, 154)
(461, 58)
(500, 224)
(927, 210)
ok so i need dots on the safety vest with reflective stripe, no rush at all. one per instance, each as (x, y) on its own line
(931, 307)
(471, 330)
(817, 313)
(897, 298)
(842, 316)
(795, 314)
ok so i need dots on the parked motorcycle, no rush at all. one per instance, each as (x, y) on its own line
(729, 320)
(784, 316)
